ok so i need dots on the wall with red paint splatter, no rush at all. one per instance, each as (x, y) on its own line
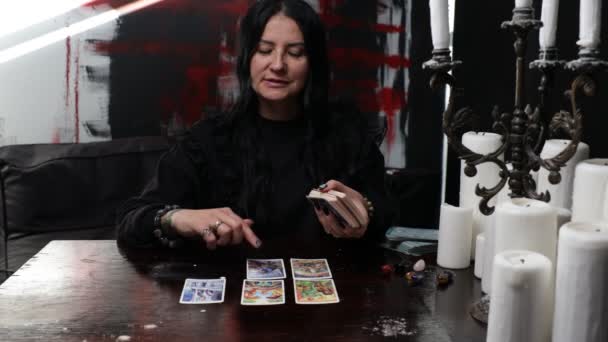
(159, 69)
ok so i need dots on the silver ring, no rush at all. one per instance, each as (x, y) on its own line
(213, 227)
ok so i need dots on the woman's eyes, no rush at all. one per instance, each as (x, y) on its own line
(292, 52)
(296, 52)
(265, 51)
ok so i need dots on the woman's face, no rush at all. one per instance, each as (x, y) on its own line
(279, 66)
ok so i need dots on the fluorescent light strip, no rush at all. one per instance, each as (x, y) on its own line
(71, 30)
(21, 15)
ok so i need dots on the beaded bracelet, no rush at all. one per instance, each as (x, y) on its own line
(369, 206)
(162, 232)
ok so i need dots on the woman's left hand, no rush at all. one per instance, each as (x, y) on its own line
(329, 221)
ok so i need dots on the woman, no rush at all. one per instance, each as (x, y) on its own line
(244, 175)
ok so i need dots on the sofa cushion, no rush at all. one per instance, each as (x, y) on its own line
(50, 187)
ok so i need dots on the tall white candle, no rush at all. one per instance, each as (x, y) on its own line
(488, 255)
(479, 250)
(455, 226)
(561, 193)
(440, 32)
(522, 223)
(581, 303)
(487, 176)
(548, 16)
(590, 21)
(521, 302)
(523, 3)
(590, 179)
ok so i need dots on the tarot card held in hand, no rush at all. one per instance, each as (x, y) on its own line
(263, 292)
(315, 291)
(310, 269)
(203, 291)
(265, 269)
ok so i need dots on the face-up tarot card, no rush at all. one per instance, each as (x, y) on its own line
(265, 269)
(315, 291)
(263, 292)
(203, 291)
(310, 269)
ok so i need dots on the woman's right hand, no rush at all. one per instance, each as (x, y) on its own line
(232, 230)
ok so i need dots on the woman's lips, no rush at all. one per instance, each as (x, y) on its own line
(275, 83)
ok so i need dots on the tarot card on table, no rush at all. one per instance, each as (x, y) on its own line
(263, 292)
(315, 291)
(203, 291)
(310, 269)
(265, 269)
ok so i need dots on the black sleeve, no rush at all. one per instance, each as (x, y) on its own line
(178, 178)
(369, 180)
(374, 188)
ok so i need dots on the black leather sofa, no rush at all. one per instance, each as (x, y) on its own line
(68, 191)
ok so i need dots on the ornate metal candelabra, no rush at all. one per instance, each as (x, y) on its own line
(522, 130)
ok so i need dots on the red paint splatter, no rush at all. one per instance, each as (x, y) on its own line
(356, 58)
(195, 93)
(356, 84)
(190, 100)
(391, 102)
(388, 100)
(154, 48)
(77, 98)
(326, 6)
(233, 7)
(56, 138)
(332, 21)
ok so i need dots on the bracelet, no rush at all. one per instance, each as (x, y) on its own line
(369, 206)
(162, 227)
(165, 220)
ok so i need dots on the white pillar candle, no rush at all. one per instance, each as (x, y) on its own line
(455, 226)
(548, 16)
(521, 302)
(581, 303)
(487, 176)
(488, 256)
(590, 21)
(440, 32)
(522, 223)
(561, 193)
(590, 179)
(563, 216)
(479, 250)
(523, 3)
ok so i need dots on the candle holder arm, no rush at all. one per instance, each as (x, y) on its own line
(454, 123)
(571, 124)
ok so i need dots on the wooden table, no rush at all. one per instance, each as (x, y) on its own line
(93, 290)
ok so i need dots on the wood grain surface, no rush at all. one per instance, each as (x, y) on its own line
(96, 291)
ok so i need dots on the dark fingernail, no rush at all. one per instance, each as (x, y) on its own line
(326, 211)
(322, 186)
(258, 243)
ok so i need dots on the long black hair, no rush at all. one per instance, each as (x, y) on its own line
(256, 171)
